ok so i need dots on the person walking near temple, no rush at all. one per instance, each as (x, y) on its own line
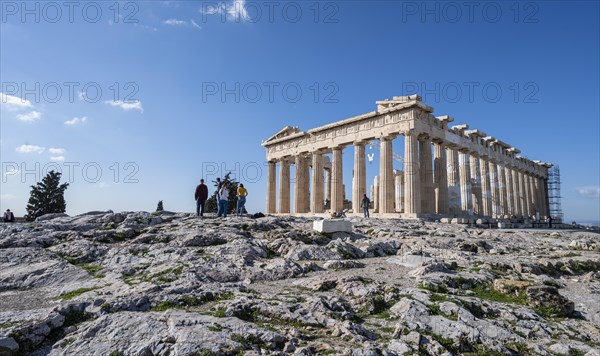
(364, 204)
(549, 222)
(201, 195)
(241, 200)
(223, 201)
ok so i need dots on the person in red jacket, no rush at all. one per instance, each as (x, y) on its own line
(201, 195)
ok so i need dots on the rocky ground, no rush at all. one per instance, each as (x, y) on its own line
(141, 283)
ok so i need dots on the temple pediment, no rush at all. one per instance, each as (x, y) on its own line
(283, 133)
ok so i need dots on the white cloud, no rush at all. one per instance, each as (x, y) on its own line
(175, 22)
(30, 117)
(131, 105)
(589, 192)
(194, 24)
(56, 151)
(234, 11)
(30, 149)
(182, 23)
(76, 120)
(12, 172)
(57, 158)
(170, 4)
(14, 103)
(145, 27)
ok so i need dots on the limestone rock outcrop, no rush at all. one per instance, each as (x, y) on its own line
(137, 283)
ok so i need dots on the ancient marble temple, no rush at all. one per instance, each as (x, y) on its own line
(447, 170)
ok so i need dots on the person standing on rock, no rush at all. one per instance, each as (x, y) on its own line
(364, 204)
(241, 200)
(201, 195)
(549, 222)
(9, 216)
(223, 201)
(219, 185)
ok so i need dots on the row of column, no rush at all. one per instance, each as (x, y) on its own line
(492, 189)
(455, 182)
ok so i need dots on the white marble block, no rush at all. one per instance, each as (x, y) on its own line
(332, 225)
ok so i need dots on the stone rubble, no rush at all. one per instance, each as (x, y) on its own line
(137, 283)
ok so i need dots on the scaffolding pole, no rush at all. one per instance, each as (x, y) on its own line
(554, 197)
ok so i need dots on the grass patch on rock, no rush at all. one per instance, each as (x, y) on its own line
(166, 305)
(91, 269)
(487, 292)
(8, 325)
(74, 293)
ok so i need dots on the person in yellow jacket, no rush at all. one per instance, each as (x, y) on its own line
(241, 200)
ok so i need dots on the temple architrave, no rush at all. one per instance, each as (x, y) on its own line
(448, 171)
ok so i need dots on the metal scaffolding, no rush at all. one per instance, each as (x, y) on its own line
(554, 197)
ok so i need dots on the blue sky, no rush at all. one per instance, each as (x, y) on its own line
(135, 101)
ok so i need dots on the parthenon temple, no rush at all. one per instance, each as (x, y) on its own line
(469, 173)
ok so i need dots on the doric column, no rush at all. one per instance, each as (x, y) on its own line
(316, 205)
(516, 192)
(299, 185)
(494, 189)
(399, 191)
(486, 195)
(545, 206)
(476, 184)
(337, 180)
(412, 177)
(306, 180)
(538, 195)
(376, 194)
(359, 183)
(466, 204)
(502, 190)
(271, 186)
(532, 195)
(427, 193)
(526, 194)
(453, 182)
(523, 191)
(386, 174)
(284, 187)
(307, 162)
(509, 191)
(328, 185)
(529, 194)
(440, 177)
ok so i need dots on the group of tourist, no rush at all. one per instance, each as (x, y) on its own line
(222, 198)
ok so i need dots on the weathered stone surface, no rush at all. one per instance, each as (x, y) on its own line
(547, 297)
(169, 283)
(332, 225)
(8, 345)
